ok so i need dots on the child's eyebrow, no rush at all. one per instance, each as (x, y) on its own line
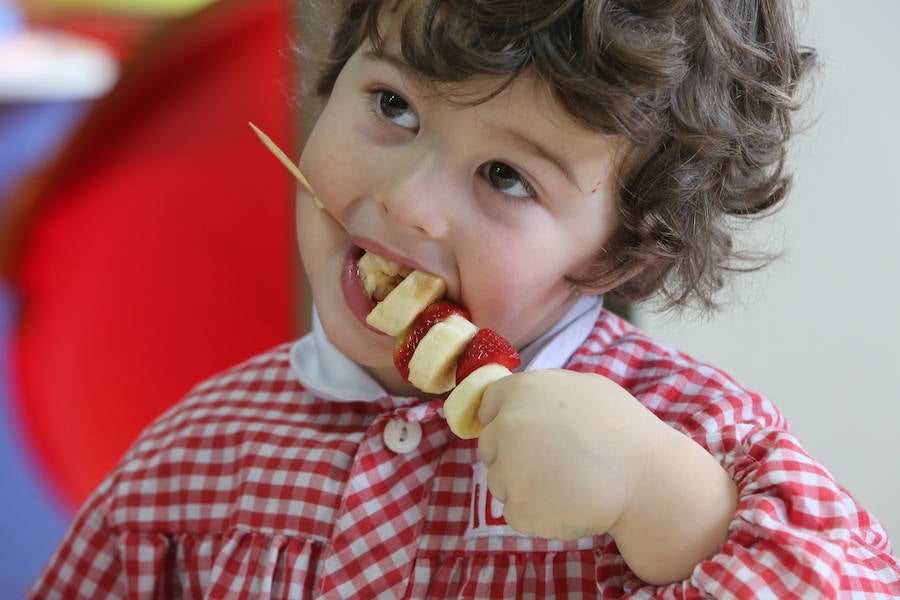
(395, 61)
(526, 144)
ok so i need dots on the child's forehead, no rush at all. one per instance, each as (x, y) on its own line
(475, 91)
(468, 54)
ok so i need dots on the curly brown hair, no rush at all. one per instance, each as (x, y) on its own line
(703, 89)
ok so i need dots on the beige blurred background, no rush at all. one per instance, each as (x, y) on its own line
(818, 331)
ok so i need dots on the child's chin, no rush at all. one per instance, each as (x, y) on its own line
(350, 336)
(368, 354)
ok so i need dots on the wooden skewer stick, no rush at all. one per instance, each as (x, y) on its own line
(287, 162)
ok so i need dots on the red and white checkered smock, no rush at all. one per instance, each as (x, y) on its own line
(254, 488)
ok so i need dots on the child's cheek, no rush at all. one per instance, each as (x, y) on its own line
(497, 303)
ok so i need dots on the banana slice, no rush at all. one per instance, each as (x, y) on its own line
(379, 276)
(461, 406)
(432, 367)
(396, 312)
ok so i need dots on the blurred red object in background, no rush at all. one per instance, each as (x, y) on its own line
(157, 248)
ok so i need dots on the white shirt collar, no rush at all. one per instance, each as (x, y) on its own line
(553, 349)
(329, 373)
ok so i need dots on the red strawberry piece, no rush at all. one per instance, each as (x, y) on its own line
(486, 347)
(406, 346)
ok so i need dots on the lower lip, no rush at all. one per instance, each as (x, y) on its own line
(354, 294)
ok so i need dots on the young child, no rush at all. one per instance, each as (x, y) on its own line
(536, 156)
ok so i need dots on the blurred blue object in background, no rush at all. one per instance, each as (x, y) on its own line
(46, 80)
(31, 520)
(30, 132)
(10, 17)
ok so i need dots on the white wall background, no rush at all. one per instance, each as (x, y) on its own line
(818, 332)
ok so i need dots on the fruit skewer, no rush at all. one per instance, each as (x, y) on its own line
(438, 348)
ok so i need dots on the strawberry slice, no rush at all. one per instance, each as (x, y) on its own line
(486, 347)
(406, 346)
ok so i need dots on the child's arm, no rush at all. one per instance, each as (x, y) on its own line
(573, 454)
(679, 512)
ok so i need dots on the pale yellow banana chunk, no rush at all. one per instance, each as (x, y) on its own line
(461, 406)
(432, 367)
(402, 305)
(379, 274)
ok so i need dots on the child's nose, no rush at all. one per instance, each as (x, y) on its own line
(416, 192)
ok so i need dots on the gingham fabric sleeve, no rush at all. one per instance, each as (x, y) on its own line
(796, 532)
(91, 557)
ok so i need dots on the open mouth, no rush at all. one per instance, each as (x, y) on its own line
(388, 295)
(379, 276)
(367, 279)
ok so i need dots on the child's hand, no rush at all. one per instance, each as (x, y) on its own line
(573, 454)
(564, 451)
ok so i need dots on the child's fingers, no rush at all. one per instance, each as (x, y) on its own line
(487, 446)
(491, 402)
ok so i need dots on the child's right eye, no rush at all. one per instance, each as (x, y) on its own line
(394, 108)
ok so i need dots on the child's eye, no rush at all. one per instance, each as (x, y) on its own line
(507, 180)
(395, 109)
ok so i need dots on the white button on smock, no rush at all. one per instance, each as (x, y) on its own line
(401, 436)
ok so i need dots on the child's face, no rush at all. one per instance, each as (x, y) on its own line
(502, 200)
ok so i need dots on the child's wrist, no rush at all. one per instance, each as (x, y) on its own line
(657, 442)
